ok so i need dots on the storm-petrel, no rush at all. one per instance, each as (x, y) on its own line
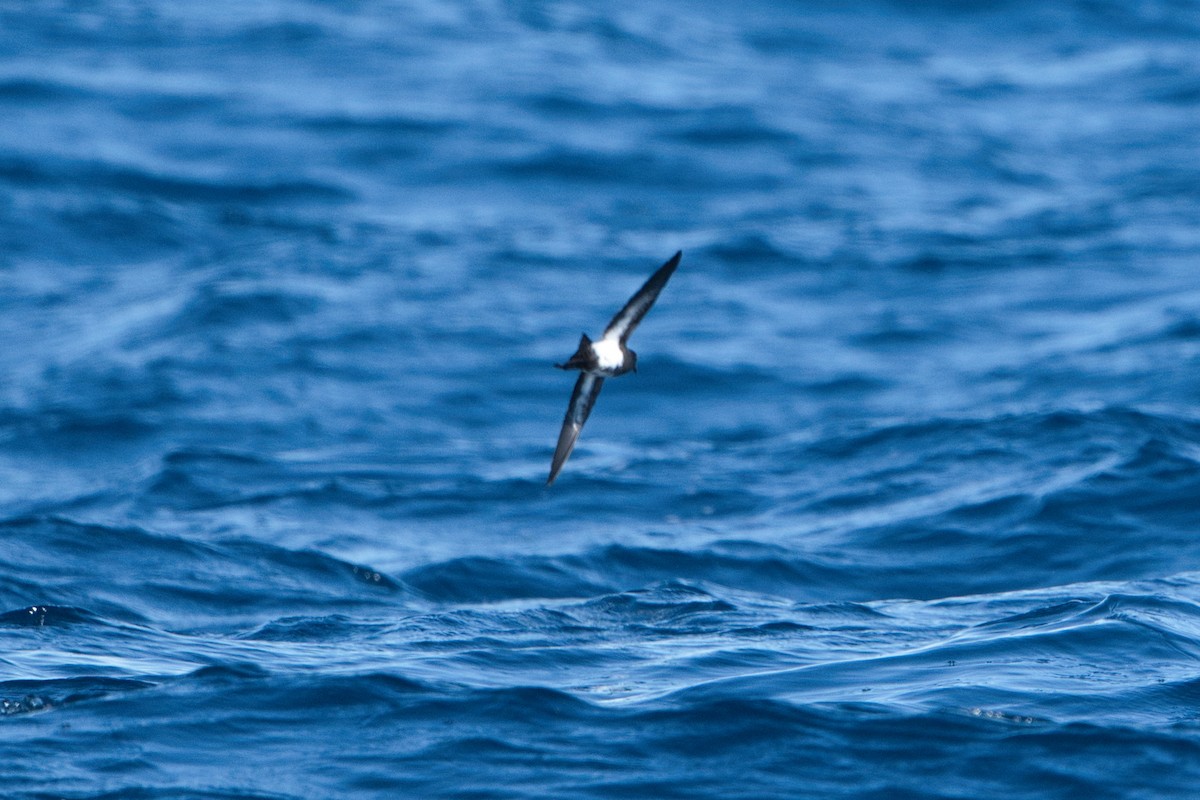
(606, 358)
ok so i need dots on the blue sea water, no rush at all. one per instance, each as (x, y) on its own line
(903, 501)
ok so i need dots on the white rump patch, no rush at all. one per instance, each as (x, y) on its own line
(608, 353)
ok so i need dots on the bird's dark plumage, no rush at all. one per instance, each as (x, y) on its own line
(628, 317)
(606, 358)
(587, 389)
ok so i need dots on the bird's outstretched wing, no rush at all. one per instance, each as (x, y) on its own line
(582, 399)
(628, 317)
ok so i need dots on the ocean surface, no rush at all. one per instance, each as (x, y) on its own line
(903, 501)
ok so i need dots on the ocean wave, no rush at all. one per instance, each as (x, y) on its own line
(136, 182)
(36, 696)
(135, 575)
(30, 89)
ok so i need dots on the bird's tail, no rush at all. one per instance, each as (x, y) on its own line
(582, 357)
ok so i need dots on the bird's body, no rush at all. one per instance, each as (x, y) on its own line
(606, 358)
(612, 357)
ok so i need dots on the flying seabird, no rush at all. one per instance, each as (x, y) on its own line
(606, 358)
